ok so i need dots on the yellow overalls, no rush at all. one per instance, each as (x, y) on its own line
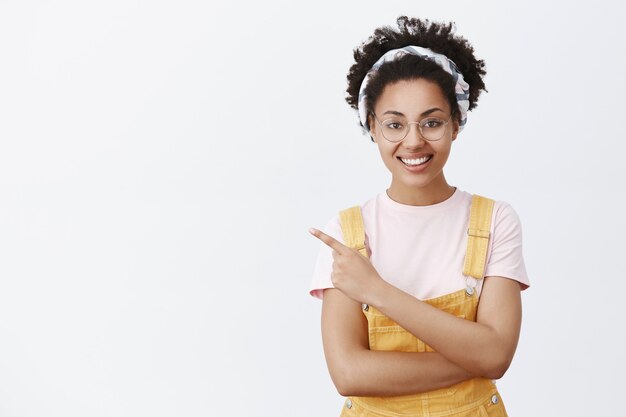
(476, 397)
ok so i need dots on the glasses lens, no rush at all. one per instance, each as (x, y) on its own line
(433, 128)
(394, 129)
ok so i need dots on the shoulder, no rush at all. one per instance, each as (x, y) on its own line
(506, 224)
(503, 212)
(367, 208)
(505, 217)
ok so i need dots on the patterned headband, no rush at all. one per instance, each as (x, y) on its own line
(461, 88)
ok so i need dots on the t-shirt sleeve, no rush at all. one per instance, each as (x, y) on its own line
(506, 256)
(324, 263)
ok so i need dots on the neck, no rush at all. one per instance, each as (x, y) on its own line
(433, 193)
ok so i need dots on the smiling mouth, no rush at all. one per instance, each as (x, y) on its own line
(416, 161)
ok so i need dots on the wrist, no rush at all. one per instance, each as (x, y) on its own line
(379, 292)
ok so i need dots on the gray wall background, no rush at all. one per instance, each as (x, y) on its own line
(161, 162)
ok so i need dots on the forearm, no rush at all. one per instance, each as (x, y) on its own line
(476, 347)
(357, 370)
(379, 373)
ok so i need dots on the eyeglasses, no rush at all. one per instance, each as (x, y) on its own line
(396, 128)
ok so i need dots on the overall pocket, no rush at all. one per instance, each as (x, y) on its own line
(387, 335)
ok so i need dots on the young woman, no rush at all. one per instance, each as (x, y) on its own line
(401, 275)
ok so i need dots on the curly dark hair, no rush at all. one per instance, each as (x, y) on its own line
(439, 37)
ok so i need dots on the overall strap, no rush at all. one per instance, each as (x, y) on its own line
(353, 229)
(478, 236)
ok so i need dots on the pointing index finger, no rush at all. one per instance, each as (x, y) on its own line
(328, 240)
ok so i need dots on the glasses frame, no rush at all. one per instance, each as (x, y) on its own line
(419, 128)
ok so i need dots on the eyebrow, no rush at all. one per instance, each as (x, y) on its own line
(426, 113)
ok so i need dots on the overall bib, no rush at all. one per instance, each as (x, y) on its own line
(476, 397)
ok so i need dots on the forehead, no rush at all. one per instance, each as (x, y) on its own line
(411, 97)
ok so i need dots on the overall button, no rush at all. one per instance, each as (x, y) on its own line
(494, 399)
(366, 307)
(469, 290)
(348, 403)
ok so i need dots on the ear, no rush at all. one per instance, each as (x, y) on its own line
(373, 128)
(455, 130)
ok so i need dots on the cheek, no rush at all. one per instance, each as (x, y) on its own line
(444, 153)
(387, 153)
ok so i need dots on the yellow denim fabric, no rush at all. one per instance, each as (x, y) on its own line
(476, 397)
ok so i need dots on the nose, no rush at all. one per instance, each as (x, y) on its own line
(414, 138)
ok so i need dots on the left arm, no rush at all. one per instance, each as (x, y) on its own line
(485, 347)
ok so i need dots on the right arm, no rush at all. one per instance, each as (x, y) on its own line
(356, 370)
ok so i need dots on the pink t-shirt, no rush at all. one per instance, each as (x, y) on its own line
(421, 249)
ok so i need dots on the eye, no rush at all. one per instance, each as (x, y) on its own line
(432, 123)
(393, 124)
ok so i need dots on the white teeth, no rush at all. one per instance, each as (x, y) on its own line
(417, 161)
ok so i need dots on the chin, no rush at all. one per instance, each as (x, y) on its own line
(415, 182)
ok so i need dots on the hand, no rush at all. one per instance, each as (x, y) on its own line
(353, 274)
